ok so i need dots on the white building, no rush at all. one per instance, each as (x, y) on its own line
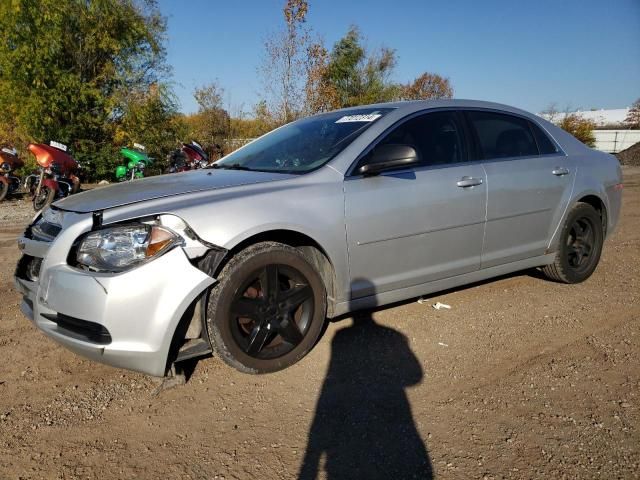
(609, 118)
(613, 140)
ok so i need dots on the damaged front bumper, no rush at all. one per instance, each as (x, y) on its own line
(126, 319)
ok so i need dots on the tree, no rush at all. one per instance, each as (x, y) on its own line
(427, 86)
(213, 120)
(151, 119)
(283, 65)
(580, 127)
(357, 78)
(69, 68)
(552, 113)
(633, 117)
(320, 94)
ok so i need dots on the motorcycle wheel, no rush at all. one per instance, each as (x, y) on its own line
(4, 189)
(45, 197)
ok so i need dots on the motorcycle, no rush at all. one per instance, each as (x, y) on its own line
(190, 156)
(136, 161)
(56, 174)
(9, 162)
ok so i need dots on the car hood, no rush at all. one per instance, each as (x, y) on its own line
(135, 191)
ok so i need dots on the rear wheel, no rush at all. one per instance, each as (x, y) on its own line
(268, 309)
(581, 242)
(4, 189)
(44, 198)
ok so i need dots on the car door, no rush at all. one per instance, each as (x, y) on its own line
(529, 184)
(414, 225)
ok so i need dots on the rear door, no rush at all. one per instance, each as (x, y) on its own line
(529, 184)
(419, 224)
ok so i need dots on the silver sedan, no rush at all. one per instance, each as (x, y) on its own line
(329, 214)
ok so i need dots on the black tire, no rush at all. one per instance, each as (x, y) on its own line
(273, 330)
(580, 247)
(45, 198)
(4, 189)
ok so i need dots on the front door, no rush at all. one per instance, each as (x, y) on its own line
(420, 224)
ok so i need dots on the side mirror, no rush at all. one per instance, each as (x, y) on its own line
(387, 157)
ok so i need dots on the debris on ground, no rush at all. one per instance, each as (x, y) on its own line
(440, 306)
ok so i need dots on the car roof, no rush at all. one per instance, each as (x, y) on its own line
(414, 105)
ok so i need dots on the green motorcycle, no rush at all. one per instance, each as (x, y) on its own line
(136, 161)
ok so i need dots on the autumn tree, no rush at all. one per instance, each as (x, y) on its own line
(320, 94)
(580, 127)
(633, 117)
(427, 86)
(212, 120)
(283, 66)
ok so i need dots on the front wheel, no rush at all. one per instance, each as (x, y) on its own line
(44, 198)
(268, 309)
(580, 247)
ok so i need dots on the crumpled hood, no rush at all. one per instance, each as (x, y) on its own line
(150, 188)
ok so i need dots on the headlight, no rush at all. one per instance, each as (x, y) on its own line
(5, 167)
(116, 249)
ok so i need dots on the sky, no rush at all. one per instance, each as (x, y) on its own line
(579, 54)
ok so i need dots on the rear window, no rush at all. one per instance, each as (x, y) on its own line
(503, 136)
(545, 145)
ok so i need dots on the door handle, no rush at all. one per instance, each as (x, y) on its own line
(465, 182)
(560, 171)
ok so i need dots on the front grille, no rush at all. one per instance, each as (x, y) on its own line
(80, 329)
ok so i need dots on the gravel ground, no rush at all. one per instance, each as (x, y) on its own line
(522, 378)
(16, 210)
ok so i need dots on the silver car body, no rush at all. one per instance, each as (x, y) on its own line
(387, 238)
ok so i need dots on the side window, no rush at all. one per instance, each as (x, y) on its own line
(545, 145)
(502, 135)
(436, 137)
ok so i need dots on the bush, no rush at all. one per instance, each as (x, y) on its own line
(579, 127)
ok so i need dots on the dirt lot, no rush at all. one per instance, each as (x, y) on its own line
(522, 378)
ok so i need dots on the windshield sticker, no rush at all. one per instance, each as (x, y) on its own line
(369, 117)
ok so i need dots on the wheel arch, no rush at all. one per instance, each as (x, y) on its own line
(598, 204)
(311, 247)
(592, 197)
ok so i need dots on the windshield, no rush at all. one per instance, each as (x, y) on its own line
(303, 145)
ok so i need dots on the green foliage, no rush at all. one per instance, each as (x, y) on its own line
(69, 69)
(349, 76)
(358, 78)
(151, 119)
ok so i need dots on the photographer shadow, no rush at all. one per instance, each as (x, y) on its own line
(363, 425)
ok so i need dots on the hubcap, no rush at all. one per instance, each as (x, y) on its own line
(580, 243)
(271, 312)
